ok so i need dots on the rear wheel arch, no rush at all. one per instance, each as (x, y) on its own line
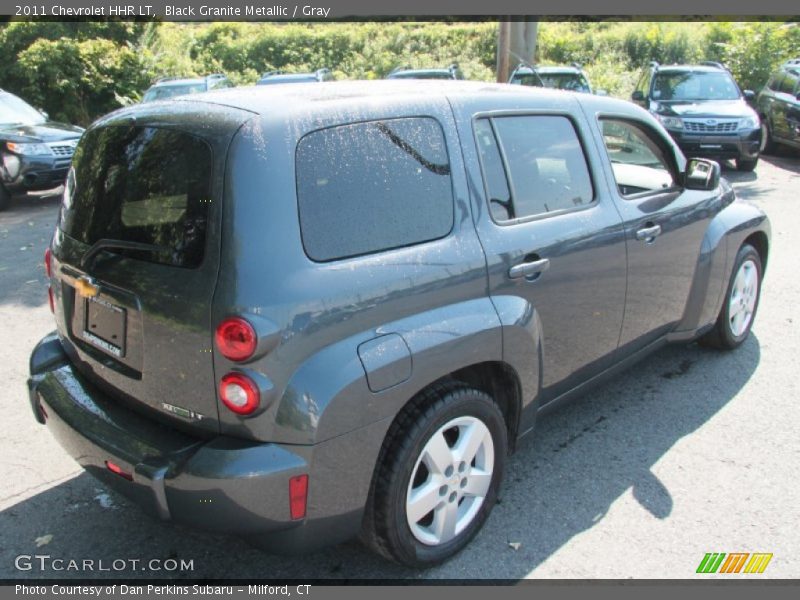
(383, 526)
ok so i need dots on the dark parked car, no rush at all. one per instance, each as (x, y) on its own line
(703, 108)
(778, 106)
(304, 313)
(560, 77)
(35, 152)
(170, 87)
(282, 77)
(451, 72)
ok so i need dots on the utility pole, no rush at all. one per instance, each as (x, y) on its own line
(503, 48)
(516, 43)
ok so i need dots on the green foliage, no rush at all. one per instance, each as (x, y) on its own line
(78, 71)
(75, 71)
(77, 80)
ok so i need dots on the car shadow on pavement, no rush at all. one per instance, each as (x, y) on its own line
(561, 482)
(784, 158)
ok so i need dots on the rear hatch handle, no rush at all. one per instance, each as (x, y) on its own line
(107, 243)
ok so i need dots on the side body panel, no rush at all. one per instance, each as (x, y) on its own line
(333, 324)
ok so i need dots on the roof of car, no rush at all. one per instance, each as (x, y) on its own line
(553, 69)
(269, 99)
(275, 77)
(684, 68)
(338, 98)
(178, 82)
(433, 71)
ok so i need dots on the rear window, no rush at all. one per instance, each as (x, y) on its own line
(141, 184)
(373, 186)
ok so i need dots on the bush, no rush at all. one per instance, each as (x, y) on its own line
(77, 71)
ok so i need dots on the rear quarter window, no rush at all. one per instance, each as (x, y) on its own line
(367, 187)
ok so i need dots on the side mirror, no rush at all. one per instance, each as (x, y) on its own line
(749, 94)
(637, 96)
(701, 174)
(601, 92)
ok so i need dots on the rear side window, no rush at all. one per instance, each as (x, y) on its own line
(545, 164)
(141, 184)
(374, 186)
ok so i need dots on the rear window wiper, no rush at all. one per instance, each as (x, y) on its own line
(107, 243)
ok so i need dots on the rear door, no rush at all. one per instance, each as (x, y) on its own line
(136, 258)
(552, 237)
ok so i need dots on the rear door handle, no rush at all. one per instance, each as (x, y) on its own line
(527, 269)
(648, 234)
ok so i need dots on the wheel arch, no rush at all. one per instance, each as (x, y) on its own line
(760, 242)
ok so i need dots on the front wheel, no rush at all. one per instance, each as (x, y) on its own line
(741, 302)
(438, 476)
(5, 197)
(767, 143)
(746, 164)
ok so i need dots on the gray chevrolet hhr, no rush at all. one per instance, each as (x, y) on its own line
(304, 313)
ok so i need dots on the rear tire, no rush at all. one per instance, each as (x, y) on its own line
(741, 302)
(437, 478)
(746, 164)
(768, 145)
(5, 197)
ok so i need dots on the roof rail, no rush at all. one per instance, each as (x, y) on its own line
(170, 78)
(713, 63)
(654, 64)
(577, 65)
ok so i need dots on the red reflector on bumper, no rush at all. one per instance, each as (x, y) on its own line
(51, 299)
(114, 468)
(298, 494)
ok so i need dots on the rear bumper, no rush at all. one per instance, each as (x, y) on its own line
(743, 145)
(223, 484)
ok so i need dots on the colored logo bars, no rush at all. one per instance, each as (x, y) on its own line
(735, 562)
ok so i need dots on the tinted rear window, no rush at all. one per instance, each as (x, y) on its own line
(373, 186)
(141, 184)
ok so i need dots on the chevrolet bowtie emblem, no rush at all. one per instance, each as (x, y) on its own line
(86, 288)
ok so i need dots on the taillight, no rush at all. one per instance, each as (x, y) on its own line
(48, 257)
(236, 339)
(238, 392)
(51, 299)
(115, 468)
(298, 494)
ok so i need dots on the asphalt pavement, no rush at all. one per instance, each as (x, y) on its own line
(690, 451)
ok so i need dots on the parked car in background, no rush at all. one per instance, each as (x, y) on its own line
(560, 77)
(283, 77)
(447, 261)
(35, 152)
(451, 72)
(169, 87)
(778, 105)
(704, 110)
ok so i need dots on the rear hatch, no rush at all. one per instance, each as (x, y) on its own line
(136, 255)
